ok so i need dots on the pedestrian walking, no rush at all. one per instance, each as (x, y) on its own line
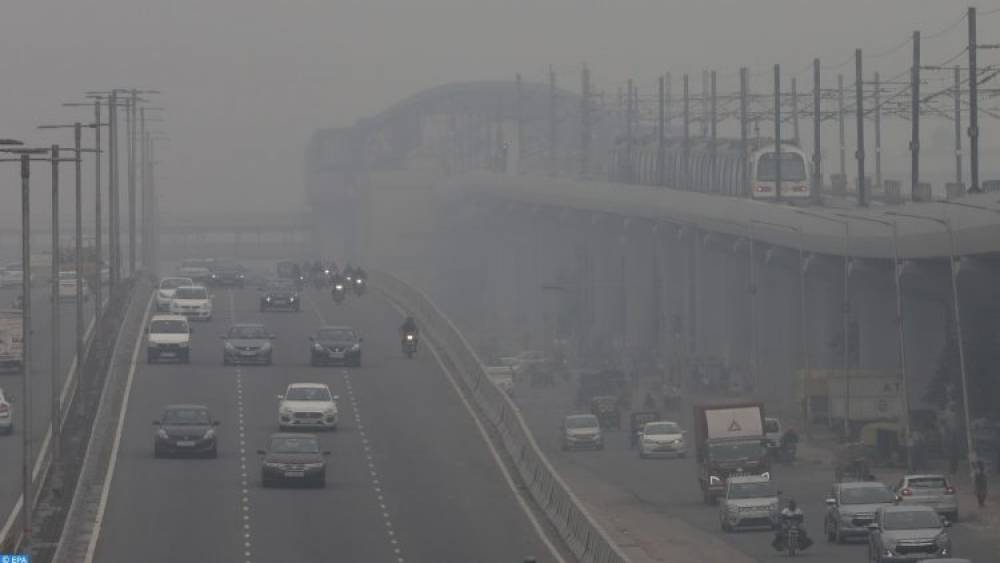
(980, 483)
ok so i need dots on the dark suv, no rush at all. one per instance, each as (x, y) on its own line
(335, 345)
(280, 295)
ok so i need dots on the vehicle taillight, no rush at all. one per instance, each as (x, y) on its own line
(4, 409)
(760, 189)
(949, 490)
(906, 492)
(799, 188)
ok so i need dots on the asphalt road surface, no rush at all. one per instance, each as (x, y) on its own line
(669, 486)
(410, 477)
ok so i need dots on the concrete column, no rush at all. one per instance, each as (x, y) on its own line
(778, 321)
(639, 277)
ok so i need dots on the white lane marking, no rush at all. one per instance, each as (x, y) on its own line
(496, 455)
(245, 497)
(110, 474)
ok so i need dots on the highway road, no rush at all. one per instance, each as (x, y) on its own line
(40, 400)
(410, 477)
(668, 487)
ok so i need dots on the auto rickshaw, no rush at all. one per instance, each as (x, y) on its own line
(605, 408)
(637, 420)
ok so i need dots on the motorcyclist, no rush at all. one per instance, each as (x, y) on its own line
(791, 515)
(360, 273)
(789, 441)
(335, 280)
(349, 271)
(409, 326)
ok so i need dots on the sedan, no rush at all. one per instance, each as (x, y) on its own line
(185, 430)
(935, 491)
(581, 431)
(293, 458)
(247, 344)
(661, 439)
(281, 295)
(333, 345)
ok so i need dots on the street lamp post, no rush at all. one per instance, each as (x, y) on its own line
(24, 158)
(896, 275)
(958, 325)
(844, 313)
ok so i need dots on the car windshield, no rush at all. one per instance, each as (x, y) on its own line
(67, 275)
(294, 445)
(248, 332)
(168, 327)
(336, 334)
(911, 520)
(308, 394)
(191, 293)
(183, 416)
(662, 428)
(732, 451)
(793, 168)
(174, 283)
(866, 495)
(752, 490)
(586, 421)
(280, 285)
(771, 426)
(927, 483)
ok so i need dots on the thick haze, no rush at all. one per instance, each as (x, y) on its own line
(246, 82)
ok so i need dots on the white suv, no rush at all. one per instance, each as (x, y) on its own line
(165, 293)
(168, 336)
(308, 405)
(192, 301)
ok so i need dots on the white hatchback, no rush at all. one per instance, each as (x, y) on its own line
(309, 405)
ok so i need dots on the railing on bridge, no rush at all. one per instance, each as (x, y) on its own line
(587, 540)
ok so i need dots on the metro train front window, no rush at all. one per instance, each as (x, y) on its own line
(793, 168)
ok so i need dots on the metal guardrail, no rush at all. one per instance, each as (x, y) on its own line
(585, 538)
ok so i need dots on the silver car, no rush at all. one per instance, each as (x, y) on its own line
(908, 533)
(851, 508)
(935, 491)
(749, 501)
(581, 431)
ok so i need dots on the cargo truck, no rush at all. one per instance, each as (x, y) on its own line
(729, 441)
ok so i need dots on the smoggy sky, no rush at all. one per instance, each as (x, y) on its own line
(247, 81)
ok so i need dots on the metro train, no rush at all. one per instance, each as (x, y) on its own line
(725, 177)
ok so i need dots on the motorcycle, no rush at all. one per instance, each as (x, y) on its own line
(338, 292)
(791, 538)
(409, 344)
(359, 286)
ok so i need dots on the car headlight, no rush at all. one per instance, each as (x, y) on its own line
(713, 480)
(164, 295)
(284, 410)
(330, 411)
(209, 434)
(356, 347)
(317, 346)
(268, 299)
(183, 344)
(229, 345)
(272, 465)
(162, 433)
(265, 346)
(291, 299)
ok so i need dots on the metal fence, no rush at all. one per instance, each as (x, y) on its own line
(587, 540)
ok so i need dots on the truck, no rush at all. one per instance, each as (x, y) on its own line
(11, 341)
(729, 441)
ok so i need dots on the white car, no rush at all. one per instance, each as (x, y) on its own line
(68, 289)
(165, 293)
(168, 336)
(662, 438)
(307, 405)
(192, 301)
(6, 415)
(750, 501)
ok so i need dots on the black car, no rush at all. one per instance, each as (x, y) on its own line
(335, 345)
(280, 295)
(247, 343)
(185, 430)
(293, 458)
(228, 275)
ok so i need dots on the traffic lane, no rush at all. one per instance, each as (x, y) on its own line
(670, 487)
(447, 497)
(344, 519)
(166, 510)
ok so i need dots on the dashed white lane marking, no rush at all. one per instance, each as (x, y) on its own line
(241, 426)
(391, 534)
